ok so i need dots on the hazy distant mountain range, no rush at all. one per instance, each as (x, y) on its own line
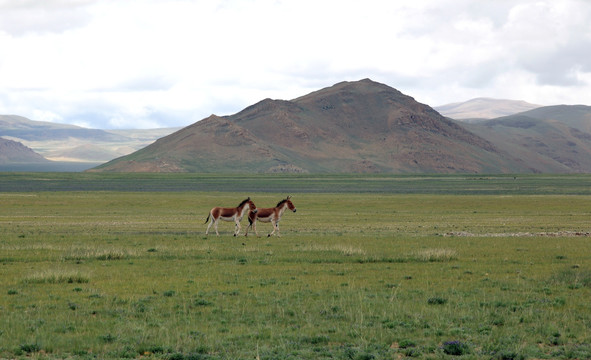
(69, 143)
(360, 126)
(484, 108)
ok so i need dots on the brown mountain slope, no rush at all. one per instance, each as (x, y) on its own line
(360, 126)
(552, 139)
(12, 152)
(575, 116)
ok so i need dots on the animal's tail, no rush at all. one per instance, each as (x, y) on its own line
(206, 220)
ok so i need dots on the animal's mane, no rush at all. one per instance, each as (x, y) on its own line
(281, 202)
(244, 202)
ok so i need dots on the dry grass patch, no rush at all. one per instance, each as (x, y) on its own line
(30, 247)
(434, 255)
(346, 250)
(80, 254)
(56, 277)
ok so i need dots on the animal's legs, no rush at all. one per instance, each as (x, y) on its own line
(208, 226)
(251, 225)
(237, 227)
(254, 227)
(275, 228)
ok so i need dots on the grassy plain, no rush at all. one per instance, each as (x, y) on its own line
(121, 274)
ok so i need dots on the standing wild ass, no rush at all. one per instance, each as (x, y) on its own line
(272, 215)
(230, 214)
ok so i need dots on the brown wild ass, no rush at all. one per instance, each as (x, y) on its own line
(272, 215)
(230, 214)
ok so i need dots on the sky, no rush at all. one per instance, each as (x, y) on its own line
(123, 64)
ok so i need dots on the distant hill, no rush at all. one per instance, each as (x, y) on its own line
(576, 116)
(552, 139)
(23, 128)
(69, 143)
(484, 108)
(15, 152)
(361, 126)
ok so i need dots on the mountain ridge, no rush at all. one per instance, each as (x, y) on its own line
(13, 152)
(360, 126)
(554, 138)
(352, 126)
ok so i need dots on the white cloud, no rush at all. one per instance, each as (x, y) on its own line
(172, 62)
(31, 16)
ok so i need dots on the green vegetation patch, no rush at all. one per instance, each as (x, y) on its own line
(101, 274)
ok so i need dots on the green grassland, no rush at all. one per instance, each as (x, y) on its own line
(466, 184)
(436, 274)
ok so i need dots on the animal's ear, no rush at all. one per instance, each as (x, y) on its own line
(288, 197)
(248, 198)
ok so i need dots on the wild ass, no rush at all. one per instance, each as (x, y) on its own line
(230, 214)
(272, 215)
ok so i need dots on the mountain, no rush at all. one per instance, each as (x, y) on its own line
(552, 139)
(360, 126)
(69, 143)
(23, 128)
(15, 152)
(576, 116)
(484, 108)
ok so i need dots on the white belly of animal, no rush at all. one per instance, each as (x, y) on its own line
(265, 219)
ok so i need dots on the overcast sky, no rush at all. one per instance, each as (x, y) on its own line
(160, 63)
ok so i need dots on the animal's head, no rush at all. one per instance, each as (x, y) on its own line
(290, 205)
(251, 206)
(251, 216)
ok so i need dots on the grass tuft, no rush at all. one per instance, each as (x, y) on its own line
(30, 348)
(434, 255)
(404, 344)
(456, 348)
(99, 254)
(169, 293)
(56, 277)
(436, 300)
(107, 338)
(345, 250)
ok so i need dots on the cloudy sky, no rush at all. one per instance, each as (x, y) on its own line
(160, 63)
